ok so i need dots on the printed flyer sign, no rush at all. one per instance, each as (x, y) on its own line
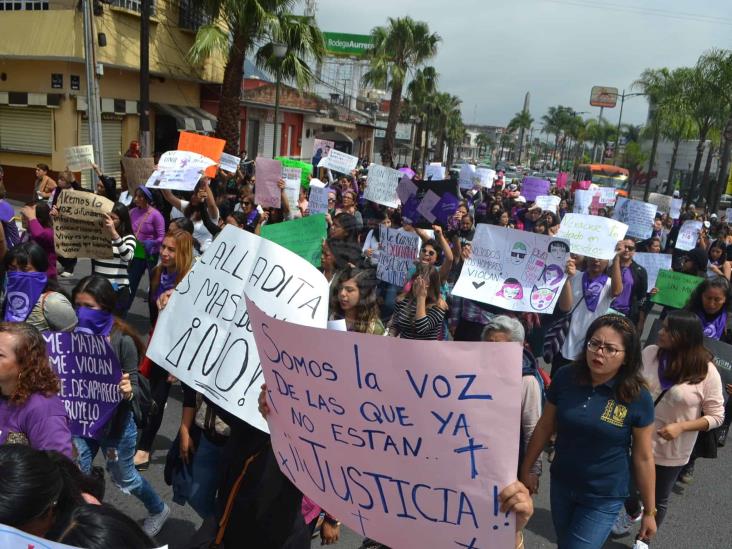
(688, 235)
(515, 270)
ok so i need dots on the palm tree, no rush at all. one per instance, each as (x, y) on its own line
(446, 108)
(455, 133)
(654, 83)
(521, 121)
(600, 132)
(484, 141)
(240, 26)
(417, 105)
(403, 45)
(556, 121)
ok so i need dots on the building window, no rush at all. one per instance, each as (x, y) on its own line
(133, 5)
(19, 5)
(192, 15)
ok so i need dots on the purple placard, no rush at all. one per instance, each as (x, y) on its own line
(531, 187)
(409, 210)
(89, 372)
(445, 208)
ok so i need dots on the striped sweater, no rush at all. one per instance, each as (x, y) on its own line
(403, 324)
(115, 269)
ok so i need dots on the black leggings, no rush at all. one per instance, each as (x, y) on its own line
(160, 389)
(665, 480)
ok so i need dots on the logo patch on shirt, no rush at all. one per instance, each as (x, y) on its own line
(614, 413)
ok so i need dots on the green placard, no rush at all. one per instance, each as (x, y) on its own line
(340, 43)
(302, 236)
(306, 168)
(675, 288)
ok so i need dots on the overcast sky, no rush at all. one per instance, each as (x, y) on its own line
(494, 51)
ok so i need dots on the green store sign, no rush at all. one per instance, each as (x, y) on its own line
(347, 44)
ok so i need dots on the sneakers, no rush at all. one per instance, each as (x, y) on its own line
(154, 523)
(624, 522)
(66, 274)
(687, 475)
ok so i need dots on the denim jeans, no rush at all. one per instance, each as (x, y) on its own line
(198, 486)
(581, 521)
(119, 454)
(665, 480)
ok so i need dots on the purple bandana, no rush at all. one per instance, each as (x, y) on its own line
(591, 290)
(93, 321)
(167, 282)
(713, 329)
(21, 294)
(662, 366)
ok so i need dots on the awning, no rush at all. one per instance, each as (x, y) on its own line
(26, 99)
(334, 136)
(109, 105)
(188, 118)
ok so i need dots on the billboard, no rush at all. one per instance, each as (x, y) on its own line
(338, 43)
(602, 96)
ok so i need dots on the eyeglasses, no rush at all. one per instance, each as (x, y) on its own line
(429, 252)
(607, 350)
(331, 200)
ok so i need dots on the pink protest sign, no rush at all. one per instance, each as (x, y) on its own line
(407, 442)
(266, 192)
(562, 180)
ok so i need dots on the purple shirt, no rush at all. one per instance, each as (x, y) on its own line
(43, 236)
(622, 302)
(148, 226)
(41, 419)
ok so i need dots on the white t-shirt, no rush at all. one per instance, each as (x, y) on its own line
(200, 232)
(582, 317)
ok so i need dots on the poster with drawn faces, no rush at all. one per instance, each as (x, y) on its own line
(516, 270)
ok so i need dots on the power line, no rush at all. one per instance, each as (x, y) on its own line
(681, 16)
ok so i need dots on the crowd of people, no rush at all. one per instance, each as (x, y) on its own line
(620, 424)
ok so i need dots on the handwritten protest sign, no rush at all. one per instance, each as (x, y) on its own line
(266, 192)
(637, 215)
(318, 199)
(582, 201)
(183, 160)
(722, 353)
(591, 235)
(209, 147)
(175, 179)
(435, 171)
(398, 250)
(303, 236)
(515, 270)
(531, 187)
(382, 185)
(485, 177)
(688, 235)
(78, 230)
(292, 180)
(89, 372)
(548, 203)
(306, 169)
(338, 161)
(136, 171)
(467, 176)
(676, 204)
(662, 201)
(674, 288)
(79, 158)
(393, 424)
(202, 336)
(229, 162)
(562, 178)
(652, 264)
(608, 196)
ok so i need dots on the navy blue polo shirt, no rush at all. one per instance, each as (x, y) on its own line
(594, 434)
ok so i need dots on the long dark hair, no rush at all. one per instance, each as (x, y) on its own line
(367, 308)
(720, 245)
(695, 304)
(103, 293)
(125, 224)
(101, 527)
(349, 224)
(688, 360)
(34, 483)
(629, 378)
(31, 253)
(43, 214)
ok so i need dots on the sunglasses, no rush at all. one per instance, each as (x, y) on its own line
(429, 252)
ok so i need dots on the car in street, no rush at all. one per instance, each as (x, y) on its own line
(551, 176)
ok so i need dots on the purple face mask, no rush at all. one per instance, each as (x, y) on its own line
(93, 321)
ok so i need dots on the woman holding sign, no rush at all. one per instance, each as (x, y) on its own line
(95, 300)
(353, 298)
(600, 410)
(687, 390)
(420, 311)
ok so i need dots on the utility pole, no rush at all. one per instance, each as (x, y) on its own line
(92, 89)
(144, 106)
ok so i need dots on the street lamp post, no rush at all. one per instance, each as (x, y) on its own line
(279, 51)
(620, 119)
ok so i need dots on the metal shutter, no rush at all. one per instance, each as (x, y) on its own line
(26, 129)
(266, 151)
(112, 144)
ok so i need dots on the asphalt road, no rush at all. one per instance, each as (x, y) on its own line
(700, 518)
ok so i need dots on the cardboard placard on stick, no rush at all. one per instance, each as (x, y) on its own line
(79, 230)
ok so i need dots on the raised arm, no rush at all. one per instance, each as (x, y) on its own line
(565, 298)
(171, 199)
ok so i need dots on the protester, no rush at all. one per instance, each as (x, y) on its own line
(148, 227)
(718, 263)
(31, 412)
(711, 302)
(420, 311)
(353, 299)
(94, 298)
(688, 398)
(635, 282)
(40, 228)
(30, 296)
(202, 197)
(602, 414)
(102, 527)
(44, 185)
(106, 185)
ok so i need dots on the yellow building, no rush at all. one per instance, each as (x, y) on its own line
(43, 98)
